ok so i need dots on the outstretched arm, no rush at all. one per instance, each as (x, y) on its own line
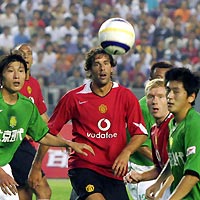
(153, 189)
(51, 140)
(136, 177)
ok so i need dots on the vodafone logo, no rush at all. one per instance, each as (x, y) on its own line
(104, 124)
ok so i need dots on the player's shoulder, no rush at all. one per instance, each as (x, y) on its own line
(193, 116)
(25, 100)
(33, 80)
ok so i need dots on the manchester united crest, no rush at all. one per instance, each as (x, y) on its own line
(89, 188)
(103, 108)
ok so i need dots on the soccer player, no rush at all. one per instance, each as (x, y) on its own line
(20, 166)
(183, 146)
(142, 160)
(157, 103)
(18, 117)
(100, 111)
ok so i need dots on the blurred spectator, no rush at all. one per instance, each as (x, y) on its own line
(85, 14)
(185, 60)
(20, 22)
(75, 79)
(68, 28)
(46, 15)
(190, 50)
(49, 58)
(39, 68)
(183, 11)
(172, 50)
(21, 37)
(7, 40)
(158, 52)
(70, 45)
(161, 32)
(53, 30)
(8, 18)
(28, 6)
(124, 78)
(139, 81)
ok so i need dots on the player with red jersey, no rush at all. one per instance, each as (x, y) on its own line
(157, 103)
(20, 166)
(100, 111)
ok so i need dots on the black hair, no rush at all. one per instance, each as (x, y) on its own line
(191, 82)
(90, 57)
(6, 59)
(160, 64)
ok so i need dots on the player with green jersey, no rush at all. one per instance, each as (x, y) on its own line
(184, 145)
(12, 131)
(19, 116)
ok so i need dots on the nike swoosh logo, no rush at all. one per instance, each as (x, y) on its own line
(82, 102)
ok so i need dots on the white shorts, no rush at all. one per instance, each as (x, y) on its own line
(3, 196)
(138, 191)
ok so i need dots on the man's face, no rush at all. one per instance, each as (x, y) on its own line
(157, 103)
(27, 55)
(177, 98)
(13, 77)
(101, 70)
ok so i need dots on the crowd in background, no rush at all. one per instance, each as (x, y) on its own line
(61, 31)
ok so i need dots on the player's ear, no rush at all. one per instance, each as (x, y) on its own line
(191, 98)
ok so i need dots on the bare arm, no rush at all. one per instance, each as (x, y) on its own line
(153, 189)
(136, 177)
(42, 149)
(166, 185)
(120, 164)
(184, 187)
(146, 151)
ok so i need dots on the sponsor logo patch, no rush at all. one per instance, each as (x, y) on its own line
(191, 150)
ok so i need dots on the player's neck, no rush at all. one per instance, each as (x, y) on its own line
(28, 75)
(101, 91)
(9, 98)
(180, 116)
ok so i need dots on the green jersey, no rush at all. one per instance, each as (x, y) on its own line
(184, 150)
(15, 121)
(138, 158)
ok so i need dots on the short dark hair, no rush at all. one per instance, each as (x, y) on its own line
(191, 82)
(161, 64)
(6, 59)
(90, 57)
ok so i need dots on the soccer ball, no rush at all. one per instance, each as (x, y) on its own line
(116, 36)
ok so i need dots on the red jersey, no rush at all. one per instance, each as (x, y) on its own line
(159, 138)
(32, 90)
(99, 122)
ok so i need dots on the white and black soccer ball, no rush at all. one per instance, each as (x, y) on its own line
(116, 36)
